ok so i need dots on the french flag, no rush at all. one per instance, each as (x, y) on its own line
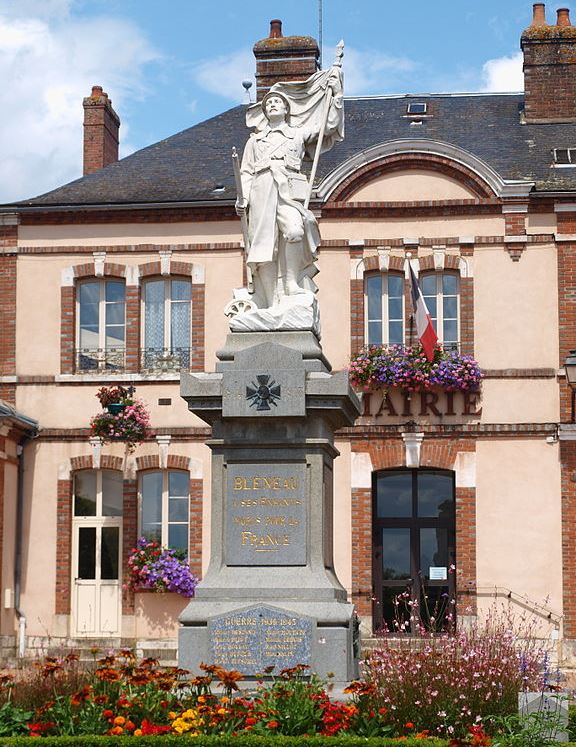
(424, 326)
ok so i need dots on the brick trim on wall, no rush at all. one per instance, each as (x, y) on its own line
(63, 547)
(195, 527)
(132, 328)
(129, 539)
(566, 315)
(106, 462)
(567, 341)
(8, 273)
(410, 162)
(2, 503)
(389, 454)
(198, 353)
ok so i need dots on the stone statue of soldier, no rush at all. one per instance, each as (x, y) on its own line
(294, 121)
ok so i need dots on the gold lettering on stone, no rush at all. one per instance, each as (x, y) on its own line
(265, 483)
(264, 540)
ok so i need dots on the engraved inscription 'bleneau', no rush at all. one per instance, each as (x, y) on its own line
(265, 514)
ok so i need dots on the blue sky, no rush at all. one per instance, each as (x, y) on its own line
(168, 64)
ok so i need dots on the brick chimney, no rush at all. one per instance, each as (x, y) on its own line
(549, 68)
(101, 125)
(281, 58)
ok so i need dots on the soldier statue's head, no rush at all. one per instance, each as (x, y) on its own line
(272, 105)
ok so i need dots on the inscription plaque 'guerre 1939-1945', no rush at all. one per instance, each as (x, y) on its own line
(255, 638)
(265, 514)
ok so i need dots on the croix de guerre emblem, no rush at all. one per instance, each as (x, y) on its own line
(263, 392)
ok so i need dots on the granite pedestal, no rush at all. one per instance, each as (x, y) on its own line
(270, 596)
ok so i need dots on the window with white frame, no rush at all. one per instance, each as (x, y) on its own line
(166, 323)
(384, 304)
(101, 329)
(98, 493)
(164, 508)
(441, 291)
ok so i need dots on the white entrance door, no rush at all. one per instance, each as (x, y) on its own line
(97, 580)
(96, 553)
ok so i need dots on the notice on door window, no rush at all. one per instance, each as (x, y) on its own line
(438, 573)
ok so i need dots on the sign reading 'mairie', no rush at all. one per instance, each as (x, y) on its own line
(265, 514)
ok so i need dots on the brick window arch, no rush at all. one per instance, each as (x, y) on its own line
(407, 162)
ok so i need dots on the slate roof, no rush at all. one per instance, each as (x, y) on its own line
(189, 166)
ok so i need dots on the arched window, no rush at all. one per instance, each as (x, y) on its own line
(166, 324)
(441, 291)
(164, 508)
(384, 304)
(101, 328)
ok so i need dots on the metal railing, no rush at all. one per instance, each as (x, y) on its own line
(99, 359)
(164, 360)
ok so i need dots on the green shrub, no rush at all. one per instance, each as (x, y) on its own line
(217, 741)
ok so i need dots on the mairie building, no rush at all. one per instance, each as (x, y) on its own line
(122, 277)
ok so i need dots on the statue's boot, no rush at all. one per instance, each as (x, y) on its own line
(265, 282)
(293, 261)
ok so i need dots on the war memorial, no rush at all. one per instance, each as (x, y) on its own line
(270, 597)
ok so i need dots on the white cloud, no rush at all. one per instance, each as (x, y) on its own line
(223, 75)
(51, 60)
(503, 74)
(371, 72)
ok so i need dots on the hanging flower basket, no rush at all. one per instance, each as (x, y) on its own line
(127, 419)
(407, 368)
(153, 568)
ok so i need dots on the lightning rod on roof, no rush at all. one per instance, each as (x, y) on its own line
(247, 85)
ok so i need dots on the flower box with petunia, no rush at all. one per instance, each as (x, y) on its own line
(154, 568)
(408, 368)
(127, 419)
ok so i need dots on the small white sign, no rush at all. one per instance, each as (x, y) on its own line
(438, 573)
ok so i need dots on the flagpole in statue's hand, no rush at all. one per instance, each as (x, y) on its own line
(327, 101)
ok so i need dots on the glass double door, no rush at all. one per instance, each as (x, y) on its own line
(413, 550)
(96, 553)
(97, 578)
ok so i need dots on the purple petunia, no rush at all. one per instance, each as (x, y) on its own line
(160, 569)
(382, 367)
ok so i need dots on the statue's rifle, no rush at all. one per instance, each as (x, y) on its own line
(327, 102)
(243, 219)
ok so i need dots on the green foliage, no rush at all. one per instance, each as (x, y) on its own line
(572, 722)
(224, 740)
(294, 702)
(13, 719)
(537, 729)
